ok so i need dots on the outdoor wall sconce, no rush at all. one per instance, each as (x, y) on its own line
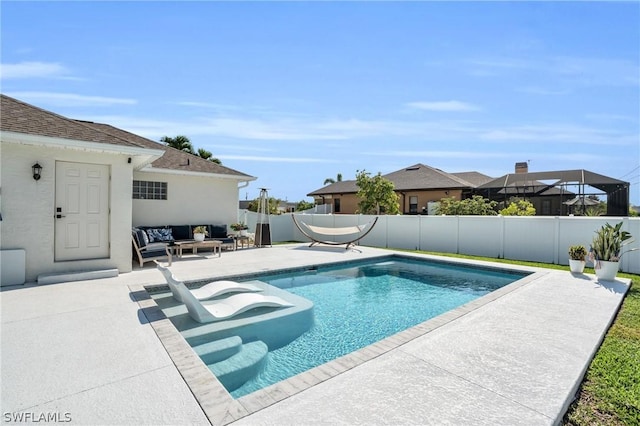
(37, 169)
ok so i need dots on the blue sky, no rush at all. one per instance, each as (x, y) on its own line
(295, 92)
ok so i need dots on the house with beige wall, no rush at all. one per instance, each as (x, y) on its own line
(95, 183)
(417, 186)
(550, 192)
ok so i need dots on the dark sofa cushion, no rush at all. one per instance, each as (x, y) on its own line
(225, 240)
(181, 232)
(140, 236)
(154, 249)
(217, 231)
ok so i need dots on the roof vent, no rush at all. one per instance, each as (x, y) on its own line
(412, 168)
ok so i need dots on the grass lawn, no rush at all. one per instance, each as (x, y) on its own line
(610, 392)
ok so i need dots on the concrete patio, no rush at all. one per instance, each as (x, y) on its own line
(86, 351)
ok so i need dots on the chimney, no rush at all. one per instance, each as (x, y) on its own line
(522, 167)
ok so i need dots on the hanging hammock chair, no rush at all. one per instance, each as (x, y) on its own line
(323, 233)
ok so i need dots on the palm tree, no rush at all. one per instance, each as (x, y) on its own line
(207, 155)
(180, 142)
(331, 180)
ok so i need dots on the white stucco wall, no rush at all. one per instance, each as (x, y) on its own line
(190, 200)
(28, 207)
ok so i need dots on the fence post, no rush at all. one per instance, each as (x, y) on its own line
(501, 236)
(556, 241)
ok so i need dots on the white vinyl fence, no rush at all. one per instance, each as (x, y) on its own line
(535, 238)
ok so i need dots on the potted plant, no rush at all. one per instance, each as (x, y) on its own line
(606, 250)
(240, 228)
(577, 258)
(199, 232)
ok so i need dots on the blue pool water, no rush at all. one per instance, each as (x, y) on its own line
(360, 305)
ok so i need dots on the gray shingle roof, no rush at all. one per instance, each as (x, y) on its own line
(342, 187)
(20, 117)
(420, 176)
(416, 177)
(172, 159)
(474, 178)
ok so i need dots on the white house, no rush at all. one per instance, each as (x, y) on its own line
(76, 212)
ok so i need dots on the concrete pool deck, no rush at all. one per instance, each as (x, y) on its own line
(87, 351)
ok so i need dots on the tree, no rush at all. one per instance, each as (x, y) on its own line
(331, 180)
(304, 205)
(476, 205)
(181, 143)
(596, 210)
(272, 205)
(377, 194)
(518, 207)
(207, 155)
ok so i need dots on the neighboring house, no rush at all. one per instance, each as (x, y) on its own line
(417, 186)
(549, 193)
(97, 182)
(287, 207)
(420, 186)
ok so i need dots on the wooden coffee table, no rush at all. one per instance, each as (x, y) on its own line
(194, 245)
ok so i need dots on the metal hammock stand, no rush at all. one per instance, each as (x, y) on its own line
(361, 230)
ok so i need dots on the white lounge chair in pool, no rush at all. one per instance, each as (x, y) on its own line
(220, 309)
(228, 307)
(208, 291)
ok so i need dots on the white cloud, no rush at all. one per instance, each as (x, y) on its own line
(69, 99)
(542, 91)
(32, 70)
(209, 105)
(611, 117)
(569, 134)
(568, 70)
(597, 71)
(444, 106)
(277, 159)
(241, 128)
(336, 132)
(441, 154)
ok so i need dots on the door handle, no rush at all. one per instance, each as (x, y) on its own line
(59, 216)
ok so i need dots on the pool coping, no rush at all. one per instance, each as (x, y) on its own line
(222, 409)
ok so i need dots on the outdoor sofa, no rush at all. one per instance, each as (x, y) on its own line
(156, 242)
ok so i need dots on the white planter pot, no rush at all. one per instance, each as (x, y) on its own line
(198, 237)
(243, 233)
(576, 266)
(606, 271)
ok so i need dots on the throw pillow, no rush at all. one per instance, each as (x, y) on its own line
(145, 237)
(166, 234)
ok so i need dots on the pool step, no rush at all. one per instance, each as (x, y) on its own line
(241, 367)
(219, 350)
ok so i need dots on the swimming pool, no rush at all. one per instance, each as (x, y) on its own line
(359, 304)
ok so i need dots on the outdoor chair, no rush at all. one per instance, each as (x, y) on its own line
(146, 251)
(208, 291)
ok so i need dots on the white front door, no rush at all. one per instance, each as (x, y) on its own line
(81, 211)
